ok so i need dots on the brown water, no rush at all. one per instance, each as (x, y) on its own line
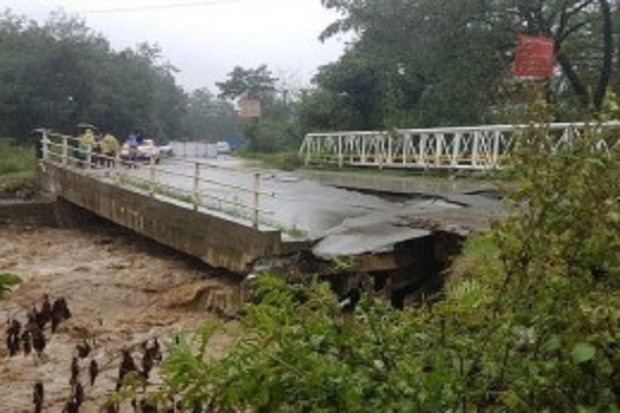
(121, 290)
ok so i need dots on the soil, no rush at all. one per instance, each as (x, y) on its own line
(121, 290)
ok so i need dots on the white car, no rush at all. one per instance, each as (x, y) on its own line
(146, 151)
(223, 147)
(165, 151)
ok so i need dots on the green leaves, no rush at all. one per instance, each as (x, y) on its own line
(415, 63)
(529, 321)
(59, 73)
(7, 281)
(249, 84)
(583, 352)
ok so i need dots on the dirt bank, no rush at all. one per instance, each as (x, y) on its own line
(121, 290)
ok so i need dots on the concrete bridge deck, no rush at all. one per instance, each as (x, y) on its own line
(288, 212)
(217, 241)
(334, 222)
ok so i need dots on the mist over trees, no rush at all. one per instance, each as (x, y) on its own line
(59, 73)
(410, 63)
(209, 118)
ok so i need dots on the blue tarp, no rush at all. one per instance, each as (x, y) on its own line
(235, 142)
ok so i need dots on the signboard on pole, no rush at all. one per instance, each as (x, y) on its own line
(535, 57)
(249, 108)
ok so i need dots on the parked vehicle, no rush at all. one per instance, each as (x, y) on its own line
(223, 147)
(165, 151)
(146, 151)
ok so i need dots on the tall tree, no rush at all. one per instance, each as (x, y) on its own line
(60, 73)
(249, 83)
(275, 129)
(447, 62)
(210, 118)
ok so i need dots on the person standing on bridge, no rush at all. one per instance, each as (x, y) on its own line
(133, 141)
(109, 149)
(87, 144)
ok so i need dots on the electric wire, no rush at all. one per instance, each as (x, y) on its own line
(202, 3)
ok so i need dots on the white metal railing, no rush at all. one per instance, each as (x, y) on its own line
(233, 192)
(469, 148)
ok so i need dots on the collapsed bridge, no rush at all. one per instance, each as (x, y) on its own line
(236, 216)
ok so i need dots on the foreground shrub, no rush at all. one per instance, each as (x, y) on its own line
(534, 328)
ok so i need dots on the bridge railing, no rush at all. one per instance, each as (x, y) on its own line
(469, 148)
(230, 191)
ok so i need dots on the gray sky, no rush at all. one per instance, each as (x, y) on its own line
(206, 39)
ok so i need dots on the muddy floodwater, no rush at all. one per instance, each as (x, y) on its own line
(121, 290)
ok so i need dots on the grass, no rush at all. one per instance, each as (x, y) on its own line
(8, 280)
(480, 255)
(232, 211)
(145, 185)
(285, 161)
(290, 161)
(430, 173)
(295, 232)
(18, 170)
(179, 195)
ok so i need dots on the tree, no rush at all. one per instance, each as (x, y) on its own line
(60, 73)
(210, 118)
(358, 86)
(249, 84)
(325, 110)
(275, 130)
(447, 63)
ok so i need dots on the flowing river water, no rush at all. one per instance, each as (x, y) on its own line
(121, 289)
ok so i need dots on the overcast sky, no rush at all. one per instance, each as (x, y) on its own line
(206, 39)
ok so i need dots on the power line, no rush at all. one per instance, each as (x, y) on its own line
(161, 7)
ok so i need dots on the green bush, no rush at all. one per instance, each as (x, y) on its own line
(533, 325)
(286, 161)
(8, 280)
(17, 169)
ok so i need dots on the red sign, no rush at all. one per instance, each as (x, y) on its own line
(535, 56)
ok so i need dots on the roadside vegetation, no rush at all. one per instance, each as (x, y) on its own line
(18, 167)
(286, 161)
(529, 320)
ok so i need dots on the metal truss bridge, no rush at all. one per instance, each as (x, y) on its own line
(476, 148)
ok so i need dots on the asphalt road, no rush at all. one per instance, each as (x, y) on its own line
(346, 222)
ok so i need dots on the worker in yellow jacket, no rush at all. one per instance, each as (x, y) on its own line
(109, 149)
(86, 146)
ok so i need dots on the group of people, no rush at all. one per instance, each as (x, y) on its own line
(151, 355)
(31, 337)
(104, 148)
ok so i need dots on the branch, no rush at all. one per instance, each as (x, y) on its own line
(563, 21)
(570, 31)
(578, 8)
(560, 10)
(568, 14)
(608, 50)
(543, 25)
(580, 89)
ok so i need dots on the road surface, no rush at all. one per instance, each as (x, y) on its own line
(345, 222)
